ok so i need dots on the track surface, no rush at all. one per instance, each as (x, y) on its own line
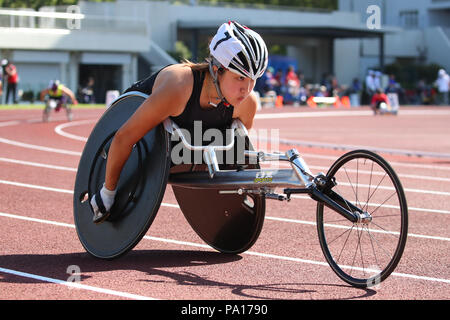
(41, 257)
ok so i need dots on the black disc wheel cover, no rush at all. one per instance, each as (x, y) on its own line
(140, 188)
(229, 223)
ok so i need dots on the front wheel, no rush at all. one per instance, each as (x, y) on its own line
(366, 252)
(46, 114)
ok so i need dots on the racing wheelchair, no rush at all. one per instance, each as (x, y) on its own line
(361, 213)
(56, 104)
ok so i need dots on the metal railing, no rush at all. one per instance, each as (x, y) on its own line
(70, 19)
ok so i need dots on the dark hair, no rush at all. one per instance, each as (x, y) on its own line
(202, 66)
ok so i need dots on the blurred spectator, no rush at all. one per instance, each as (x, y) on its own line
(424, 92)
(278, 82)
(356, 86)
(323, 91)
(292, 83)
(325, 82)
(377, 80)
(393, 86)
(370, 84)
(291, 78)
(421, 91)
(443, 87)
(319, 91)
(12, 78)
(301, 78)
(335, 88)
(355, 93)
(87, 93)
(265, 83)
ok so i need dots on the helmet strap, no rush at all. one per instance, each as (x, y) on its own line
(214, 75)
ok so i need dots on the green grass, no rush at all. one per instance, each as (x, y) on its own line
(41, 106)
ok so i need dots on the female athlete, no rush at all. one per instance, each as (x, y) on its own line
(214, 92)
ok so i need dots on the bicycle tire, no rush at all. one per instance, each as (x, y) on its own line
(333, 240)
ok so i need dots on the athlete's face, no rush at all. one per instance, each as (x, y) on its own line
(235, 88)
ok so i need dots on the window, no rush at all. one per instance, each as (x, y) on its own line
(409, 19)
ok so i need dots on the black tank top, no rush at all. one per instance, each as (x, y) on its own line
(219, 117)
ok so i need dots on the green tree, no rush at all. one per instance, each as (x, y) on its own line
(181, 52)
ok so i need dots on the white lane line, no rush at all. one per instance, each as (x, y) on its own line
(59, 129)
(264, 255)
(345, 114)
(392, 163)
(341, 184)
(75, 285)
(290, 115)
(40, 148)
(25, 185)
(311, 223)
(55, 223)
(388, 206)
(9, 123)
(269, 167)
(378, 173)
(38, 164)
(47, 149)
(412, 190)
(33, 186)
(339, 146)
(433, 192)
(81, 138)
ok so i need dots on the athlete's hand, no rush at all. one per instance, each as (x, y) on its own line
(101, 203)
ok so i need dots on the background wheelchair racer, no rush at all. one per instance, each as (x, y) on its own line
(57, 97)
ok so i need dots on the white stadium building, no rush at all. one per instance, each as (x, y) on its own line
(122, 41)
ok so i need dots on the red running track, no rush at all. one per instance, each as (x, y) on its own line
(40, 249)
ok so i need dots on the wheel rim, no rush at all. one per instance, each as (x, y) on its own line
(364, 253)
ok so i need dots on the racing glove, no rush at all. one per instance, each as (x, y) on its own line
(101, 203)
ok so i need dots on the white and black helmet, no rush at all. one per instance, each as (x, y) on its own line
(240, 50)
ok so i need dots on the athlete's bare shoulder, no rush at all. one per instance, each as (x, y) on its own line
(173, 88)
(176, 77)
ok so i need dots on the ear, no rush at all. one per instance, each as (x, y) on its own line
(219, 70)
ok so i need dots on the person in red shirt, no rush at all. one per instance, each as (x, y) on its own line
(292, 83)
(292, 78)
(12, 79)
(380, 101)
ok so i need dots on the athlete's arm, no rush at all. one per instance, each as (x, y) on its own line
(170, 94)
(247, 110)
(43, 94)
(69, 93)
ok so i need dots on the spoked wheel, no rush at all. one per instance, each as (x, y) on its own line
(69, 113)
(46, 114)
(364, 253)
